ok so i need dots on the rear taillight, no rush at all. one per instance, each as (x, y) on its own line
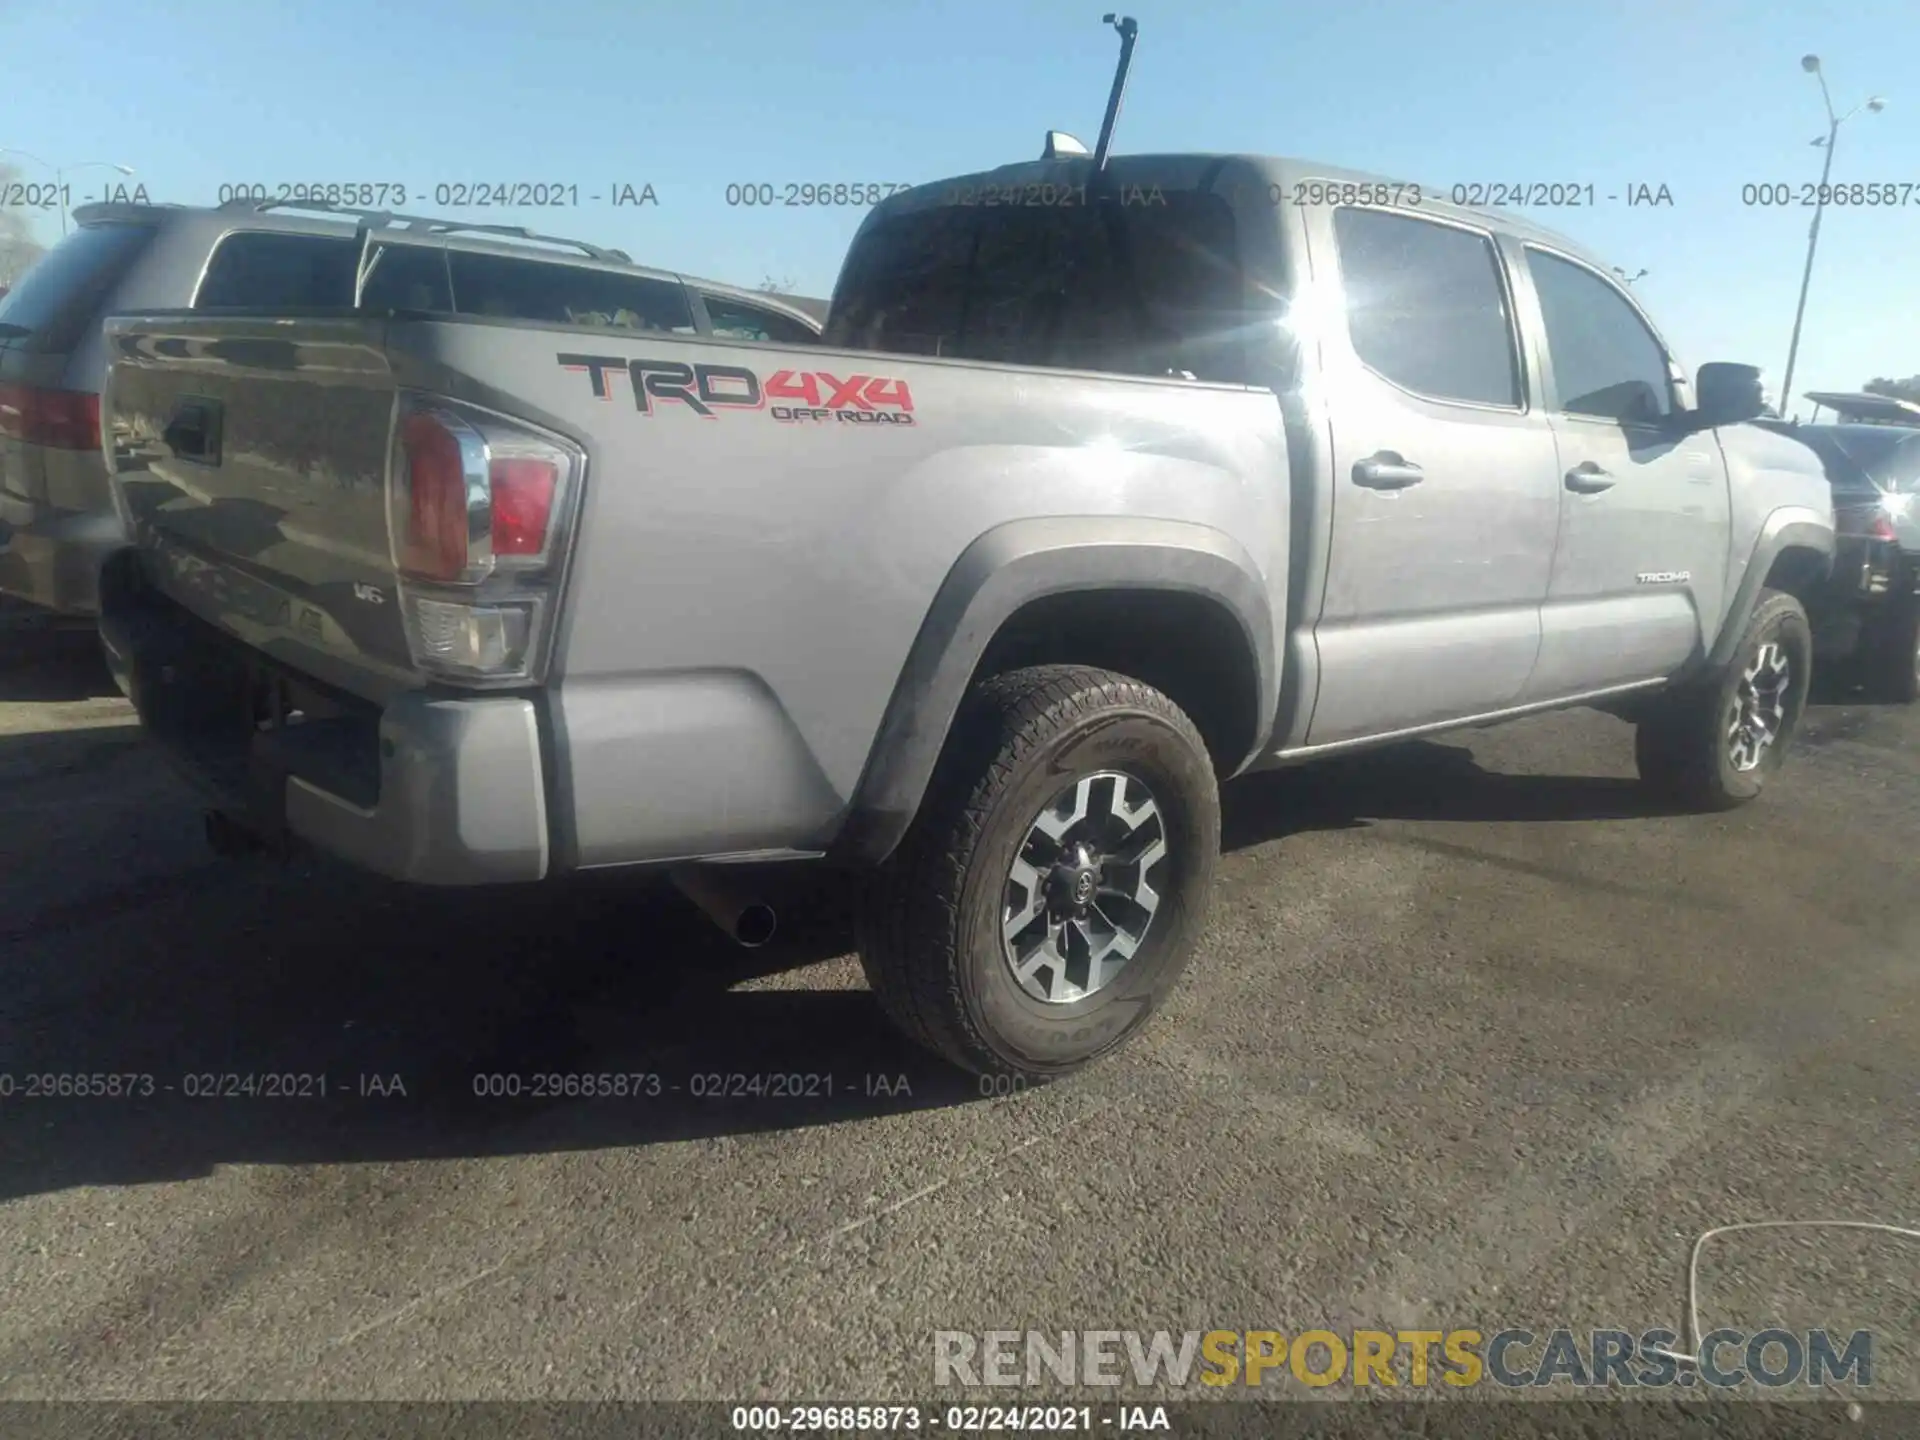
(523, 491)
(1867, 521)
(62, 419)
(477, 505)
(433, 537)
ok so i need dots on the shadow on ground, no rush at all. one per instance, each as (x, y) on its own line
(1420, 780)
(408, 1024)
(42, 663)
(414, 1008)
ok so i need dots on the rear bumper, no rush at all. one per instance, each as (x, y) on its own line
(429, 789)
(52, 557)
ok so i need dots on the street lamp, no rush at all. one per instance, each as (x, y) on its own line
(1637, 275)
(1811, 64)
(60, 175)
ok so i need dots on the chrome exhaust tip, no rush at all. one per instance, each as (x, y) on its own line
(742, 916)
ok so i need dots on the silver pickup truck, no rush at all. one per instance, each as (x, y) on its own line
(1109, 483)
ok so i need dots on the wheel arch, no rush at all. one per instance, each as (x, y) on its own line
(1794, 553)
(1182, 602)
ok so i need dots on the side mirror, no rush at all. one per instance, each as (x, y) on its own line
(1726, 394)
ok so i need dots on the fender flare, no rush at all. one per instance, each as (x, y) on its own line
(1791, 526)
(1004, 569)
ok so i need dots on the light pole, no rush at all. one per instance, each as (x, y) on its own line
(1811, 64)
(1629, 279)
(60, 175)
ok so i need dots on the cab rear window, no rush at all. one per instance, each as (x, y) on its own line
(52, 305)
(1134, 289)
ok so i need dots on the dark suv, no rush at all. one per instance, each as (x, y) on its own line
(57, 519)
(1867, 621)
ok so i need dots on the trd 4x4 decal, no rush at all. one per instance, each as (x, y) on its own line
(708, 389)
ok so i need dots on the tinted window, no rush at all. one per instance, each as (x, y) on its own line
(61, 294)
(1903, 466)
(733, 320)
(1145, 288)
(1860, 457)
(269, 270)
(1426, 308)
(561, 294)
(408, 277)
(1606, 362)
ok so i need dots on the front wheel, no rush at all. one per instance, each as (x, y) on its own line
(1713, 744)
(1049, 893)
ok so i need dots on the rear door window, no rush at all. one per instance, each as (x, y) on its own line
(279, 270)
(561, 294)
(1427, 308)
(52, 305)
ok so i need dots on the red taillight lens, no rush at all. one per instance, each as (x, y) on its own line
(1868, 521)
(63, 419)
(434, 543)
(523, 490)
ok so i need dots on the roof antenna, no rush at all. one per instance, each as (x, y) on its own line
(1129, 30)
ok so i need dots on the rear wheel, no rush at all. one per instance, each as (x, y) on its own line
(1714, 743)
(1049, 893)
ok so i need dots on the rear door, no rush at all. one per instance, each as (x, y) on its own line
(1445, 496)
(1642, 554)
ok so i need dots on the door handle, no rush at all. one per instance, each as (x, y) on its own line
(1587, 478)
(1387, 471)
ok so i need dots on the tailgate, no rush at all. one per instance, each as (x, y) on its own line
(250, 459)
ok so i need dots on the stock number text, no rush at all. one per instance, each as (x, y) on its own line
(365, 194)
(41, 1086)
(1343, 192)
(1864, 194)
(870, 192)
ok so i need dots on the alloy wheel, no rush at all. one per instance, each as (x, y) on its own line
(1079, 897)
(1759, 709)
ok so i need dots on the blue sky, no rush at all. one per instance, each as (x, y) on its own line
(1702, 96)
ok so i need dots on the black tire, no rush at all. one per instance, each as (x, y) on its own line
(1682, 744)
(930, 928)
(1892, 663)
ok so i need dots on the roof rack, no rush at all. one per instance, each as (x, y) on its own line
(426, 225)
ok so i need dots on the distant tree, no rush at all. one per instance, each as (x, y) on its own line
(1907, 389)
(17, 247)
(775, 287)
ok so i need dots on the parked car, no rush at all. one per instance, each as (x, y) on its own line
(1128, 483)
(1866, 621)
(56, 512)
